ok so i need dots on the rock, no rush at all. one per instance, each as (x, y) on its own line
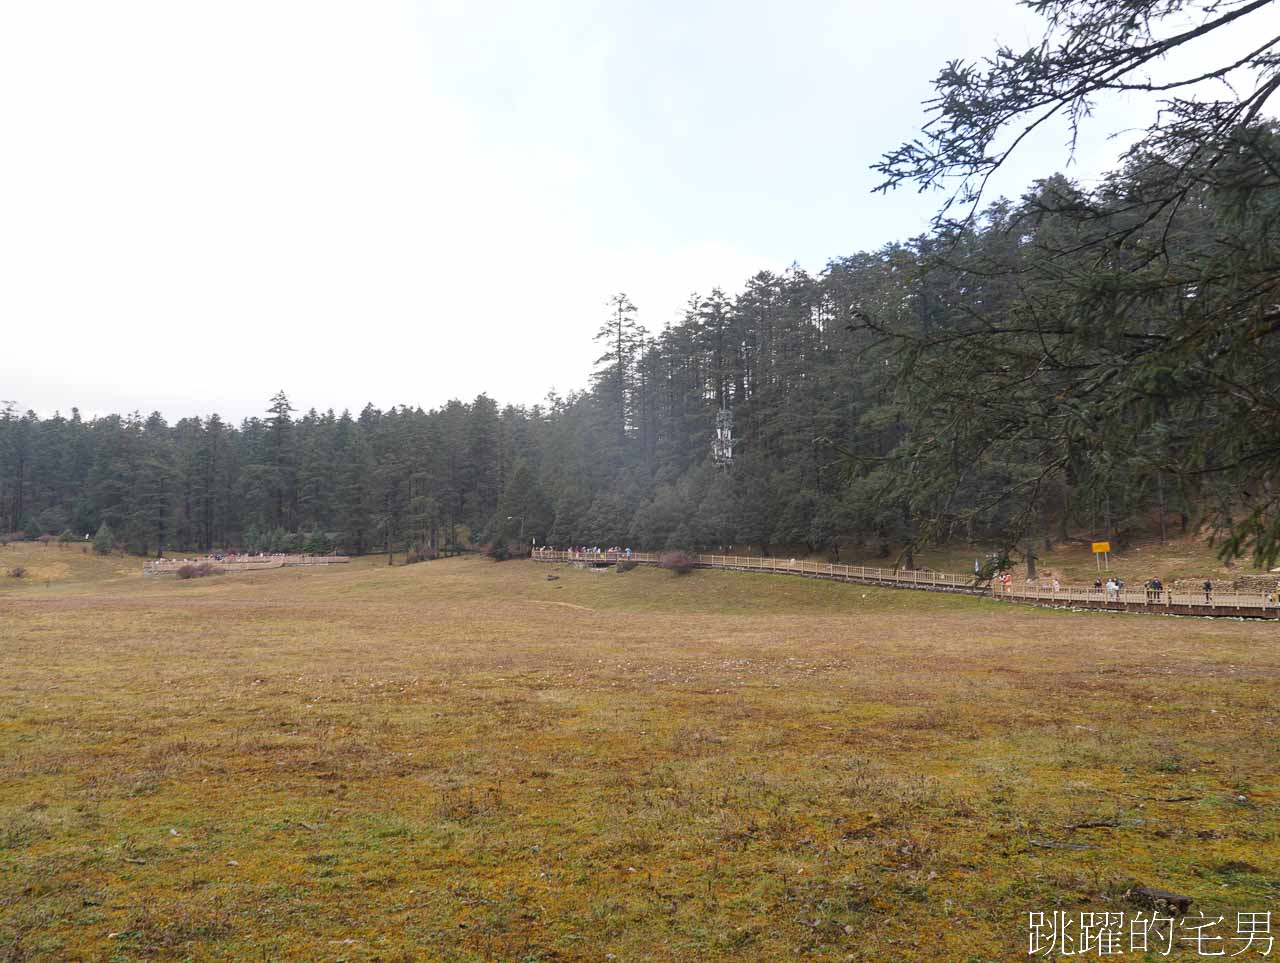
(1160, 899)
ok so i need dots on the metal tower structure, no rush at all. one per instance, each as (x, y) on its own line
(722, 446)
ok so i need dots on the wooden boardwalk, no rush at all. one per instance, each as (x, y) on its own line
(1217, 605)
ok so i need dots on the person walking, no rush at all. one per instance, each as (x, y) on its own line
(1208, 591)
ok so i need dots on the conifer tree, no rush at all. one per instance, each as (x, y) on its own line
(104, 542)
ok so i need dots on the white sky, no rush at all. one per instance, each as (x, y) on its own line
(201, 203)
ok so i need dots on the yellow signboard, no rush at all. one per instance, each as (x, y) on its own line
(1101, 547)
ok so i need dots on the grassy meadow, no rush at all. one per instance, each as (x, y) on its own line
(466, 760)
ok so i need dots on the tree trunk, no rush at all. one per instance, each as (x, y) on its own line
(1164, 535)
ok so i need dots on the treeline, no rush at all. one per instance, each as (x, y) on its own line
(950, 386)
(627, 461)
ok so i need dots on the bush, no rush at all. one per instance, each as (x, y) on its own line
(677, 562)
(501, 551)
(196, 570)
(627, 564)
(317, 543)
(422, 554)
(17, 572)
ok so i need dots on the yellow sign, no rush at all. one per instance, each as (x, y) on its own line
(1099, 547)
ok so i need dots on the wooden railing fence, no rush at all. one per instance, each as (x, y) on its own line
(1253, 605)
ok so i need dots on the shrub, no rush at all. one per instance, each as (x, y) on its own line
(501, 551)
(419, 554)
(105, 540)
(677, 562)
(317, 543)
(45, 539)
(17, 572)
(196, 570)
(627, 564)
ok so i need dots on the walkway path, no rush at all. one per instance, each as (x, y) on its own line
(1219, 604)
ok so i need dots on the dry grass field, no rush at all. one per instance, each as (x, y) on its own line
(464, 760)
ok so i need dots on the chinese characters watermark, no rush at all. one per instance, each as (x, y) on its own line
(1115, 934)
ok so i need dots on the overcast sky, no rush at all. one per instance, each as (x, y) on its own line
(201, 203)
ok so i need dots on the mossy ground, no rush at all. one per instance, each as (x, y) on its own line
(464, 760)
